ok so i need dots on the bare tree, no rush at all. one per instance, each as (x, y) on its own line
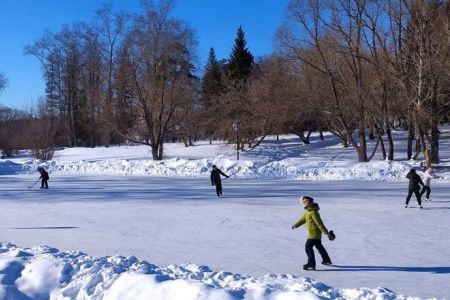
(426, 59)
(161, 54)
(111, 29)
(13, 127)
(62, 52)
(40, 132)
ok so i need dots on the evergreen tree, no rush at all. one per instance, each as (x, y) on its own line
(212, 84)
(241, 60)
(3, 81)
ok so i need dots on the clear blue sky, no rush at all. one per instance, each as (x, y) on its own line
(24, 21)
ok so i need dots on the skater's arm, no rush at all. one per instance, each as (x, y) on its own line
(212, 181)
(316, 218)
(299, 222)
(420, 181)
(223, 174)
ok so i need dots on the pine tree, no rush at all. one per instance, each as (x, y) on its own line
(3, 81)
(241, 60)
(212, 84)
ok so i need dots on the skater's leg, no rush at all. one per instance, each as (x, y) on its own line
(417, 193)
(408, 197)
(219, 185)
(310, 253)
(428, 192)
(42, 183)
(46, 184)
(424, 189)
(325, 257)
(218, 189)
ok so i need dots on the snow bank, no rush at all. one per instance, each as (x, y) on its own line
(286, 158)
(46, 273)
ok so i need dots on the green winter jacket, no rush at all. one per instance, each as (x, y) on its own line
(313, 222)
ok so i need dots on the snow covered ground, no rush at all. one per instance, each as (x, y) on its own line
(153, 237)
(287, 158)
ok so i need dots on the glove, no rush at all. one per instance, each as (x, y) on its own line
(331, 235)
(293, 227)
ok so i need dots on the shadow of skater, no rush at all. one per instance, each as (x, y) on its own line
(433, 270)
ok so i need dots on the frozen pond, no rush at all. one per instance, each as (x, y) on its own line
(173, 221)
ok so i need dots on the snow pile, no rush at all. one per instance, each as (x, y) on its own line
(45, 273)
(286, 158)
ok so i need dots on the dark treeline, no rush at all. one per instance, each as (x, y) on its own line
(359, 69)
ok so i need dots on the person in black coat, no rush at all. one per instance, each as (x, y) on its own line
(44, 177)
(414, 181)
(217, 180)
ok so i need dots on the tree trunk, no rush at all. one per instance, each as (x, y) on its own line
(371, 133)
(383, 149)
(157, 151)
(410, 139)
(303, 137)
(434, 140)
(434, 147)
(154, 152)
(362, 149)
(390, 155)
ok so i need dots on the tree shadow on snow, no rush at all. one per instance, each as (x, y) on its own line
(433, 270)
(436, 208)
(44, 227)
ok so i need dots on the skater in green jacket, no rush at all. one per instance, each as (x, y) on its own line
(315, 228)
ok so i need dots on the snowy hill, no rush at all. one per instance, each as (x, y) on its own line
(287, 158)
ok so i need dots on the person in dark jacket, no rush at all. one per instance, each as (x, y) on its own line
(44, 177)
(414, 181)
(315, 228)
(217, 180)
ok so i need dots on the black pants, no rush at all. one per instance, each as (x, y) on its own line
(44, 184)
(417, 193)
(426, 189)
(310, 252)
(218, 185)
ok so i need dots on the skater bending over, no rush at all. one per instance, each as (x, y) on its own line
(414, 181)
(315, 227)
(427, 176)
(44, 177)
(217, 180)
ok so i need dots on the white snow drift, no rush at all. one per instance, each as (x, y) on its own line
(46, 273)
(287, 158)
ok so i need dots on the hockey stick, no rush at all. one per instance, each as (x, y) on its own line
(34, 184)
(233, 173)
